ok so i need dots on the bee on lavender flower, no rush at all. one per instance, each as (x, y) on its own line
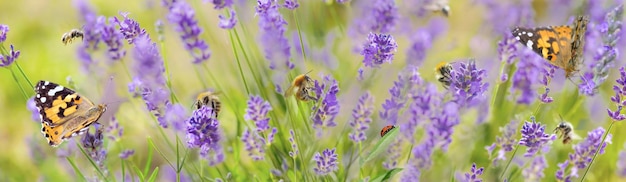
(443, 73)
(209, 99)
(301, 87)
(68, 37)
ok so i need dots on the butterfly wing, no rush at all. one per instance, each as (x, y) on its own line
(552, 43)
(63, 112)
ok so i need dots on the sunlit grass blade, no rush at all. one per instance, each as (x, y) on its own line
(387, 175)
(161, 153)
(148, 160)
(139, 173)
(154, 174)
(76, 168)
(381, 146)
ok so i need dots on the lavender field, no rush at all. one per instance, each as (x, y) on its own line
(312, 90)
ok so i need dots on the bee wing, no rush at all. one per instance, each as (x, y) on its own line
(290, 90)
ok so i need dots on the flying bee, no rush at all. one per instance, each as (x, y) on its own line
(386, 130)
(443, 73)
(438, 6)
(565, 130)
(301, 85)
(71, 35)
(209, 99)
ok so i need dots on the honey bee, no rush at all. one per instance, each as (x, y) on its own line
(209, 99)
(438, 5)
(301, 85)
(71, 35)
(443, 73)
(386, 130)
(565, 130)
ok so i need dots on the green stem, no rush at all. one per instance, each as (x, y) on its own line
(511, 159)
(295, 18)
(598, 150)
(19, 85)
(243, 77)
(24, 75)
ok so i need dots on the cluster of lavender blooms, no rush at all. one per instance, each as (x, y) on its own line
(225, 22)
(275, 44)
(619, 98)
(583, 154)
(326, 163)
(254, 139)
(328, 106)
(534, 137)
(7, 58)
(379, 16)
(93, 143)
(183, 17)
(203, 132)
(361, 115)
(506, 142)
(473, 175)
(609, 29)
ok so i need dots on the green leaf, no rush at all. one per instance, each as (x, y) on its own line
(386, 176)
(381, 146)
(154, 174)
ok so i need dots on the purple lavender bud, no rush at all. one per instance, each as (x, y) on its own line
(3, 32)
(270, 137)
(30, 105)
(113, 39)
(182, 16)
(378, 49)
(254, 144)
(291, 4)
(545, 98)
(507, 49)
(534, 172)
(220, 4)
(505, 142)
(441, 128)
(203, 132)
(394, 152)
(93, 143)
(129, 27)
(228, 23)
(378, 16)
(534, 137)
(175, 115)
(149, 80)
(362, 117)
(397, 101)
(272, 28)
(114, 131)
(526, 78)
(583, 154)
(473, 175)
(410, 174)
(618, 99)
(560, 173)
(126, 154)
(422, 154)
(294, 146)
(328, 105)
(468, 85)
(326, 163)
(257, 112)
(7, 60)
(621, 164)
(423, 39)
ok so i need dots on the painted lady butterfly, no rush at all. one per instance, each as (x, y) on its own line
(63, 112)
(562, 45)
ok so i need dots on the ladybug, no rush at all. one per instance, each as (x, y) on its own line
(386, 130)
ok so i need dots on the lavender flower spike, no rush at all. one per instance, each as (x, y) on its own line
(327, 162)
(228, 23)
(254, 144)
(618, 99)
(6, 60)
(183, 17)
(534, 136)
(129, 28)
(294, 146)
(220, 4)
(328, 106)
(378, 49)
(257, 111)
(473, 175)
(468, 85)
(113, 39)
(291, 4)
(203, 132)
(361, 118)
(3, 33)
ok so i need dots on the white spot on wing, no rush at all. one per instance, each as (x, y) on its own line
(529, 44)
(38, 96)
(43, 99)
(530, 34)
(46, 83)
(55, 90)
(517, 38)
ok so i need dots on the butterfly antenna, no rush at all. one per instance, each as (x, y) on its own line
(309, 72)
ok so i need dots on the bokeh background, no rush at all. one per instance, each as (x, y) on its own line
(332, 39)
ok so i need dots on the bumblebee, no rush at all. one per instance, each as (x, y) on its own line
(301, 86)
(565, 130)
(443, 73)
(209, 99)
(68, 37)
